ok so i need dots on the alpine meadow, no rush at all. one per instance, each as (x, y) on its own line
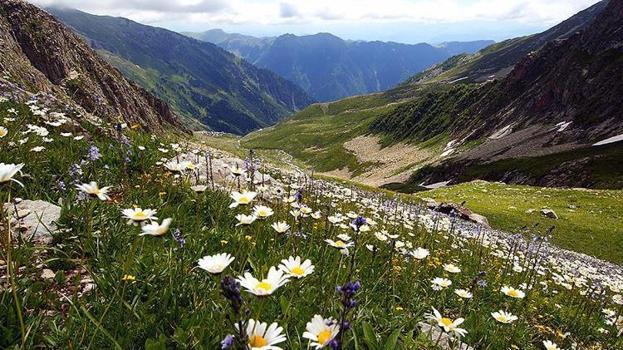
(272, 175)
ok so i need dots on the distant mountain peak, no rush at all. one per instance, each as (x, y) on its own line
(329, 68)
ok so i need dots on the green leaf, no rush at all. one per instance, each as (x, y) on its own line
(369, 336)
(391, 342)
(285, 305)
(156, 344)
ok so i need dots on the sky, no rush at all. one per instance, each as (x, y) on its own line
(406, 21)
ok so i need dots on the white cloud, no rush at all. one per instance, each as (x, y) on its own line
(401, 20)
(278, 11)
(287, 10)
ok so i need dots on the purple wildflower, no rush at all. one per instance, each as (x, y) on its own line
(177, 234)
(94, 153)
(228, 342)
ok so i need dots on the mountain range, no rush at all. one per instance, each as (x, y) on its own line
(203, 83)
(539, 110)
(330, 68)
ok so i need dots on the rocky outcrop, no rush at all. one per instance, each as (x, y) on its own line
(40, 54)
(34, 220)
(460, 211)
(577, 81)
(539, 125)
(548, 213)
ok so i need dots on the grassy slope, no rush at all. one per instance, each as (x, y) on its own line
(468, 66)
(154, 82)
(317, 134)
(594, 227)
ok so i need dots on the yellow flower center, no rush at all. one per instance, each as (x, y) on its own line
(446, 321)
(256, 341)
(140, 215)
(340, 244)
(297, 270)
(265, 286)
(244, 200)
(324, 336)
(513, 293)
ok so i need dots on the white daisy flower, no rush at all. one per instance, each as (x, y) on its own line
(261, 336)
(274, 280)
(513, 293)
(294, 268)
(216, 263)
(243, 198)
(155, 229)
(447, 324)
(262, 211)
(339, 244)
(138, 215)
(245, 219)
(504, 317)
(8, 171)
(280, 227)
(321, 331)
(93, 190)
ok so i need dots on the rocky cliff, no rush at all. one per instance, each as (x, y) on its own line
(39, 54)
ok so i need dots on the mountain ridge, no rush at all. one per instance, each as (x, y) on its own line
(329, 68)
(551, 107)
(497, 60)
(201, 80)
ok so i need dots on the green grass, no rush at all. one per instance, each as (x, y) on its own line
(316, 135)
(590, 221)
(173, 304)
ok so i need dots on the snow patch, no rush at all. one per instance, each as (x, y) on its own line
(502, 132)
(610, 140)
(562, 126)
(435, 185)
(449, 149)
(457, 80)
(447, 152)
(450, 144)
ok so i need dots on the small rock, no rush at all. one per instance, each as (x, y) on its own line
(430, 203)
(549, 213)
(22, 213)
(88, 287)
(47, 274)
(479, 219)
(446, 342)
(40, 221)
(199, 188)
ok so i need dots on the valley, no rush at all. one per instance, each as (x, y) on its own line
(303, 191)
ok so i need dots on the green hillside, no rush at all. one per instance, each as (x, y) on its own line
(316, 135)
(199, 80)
